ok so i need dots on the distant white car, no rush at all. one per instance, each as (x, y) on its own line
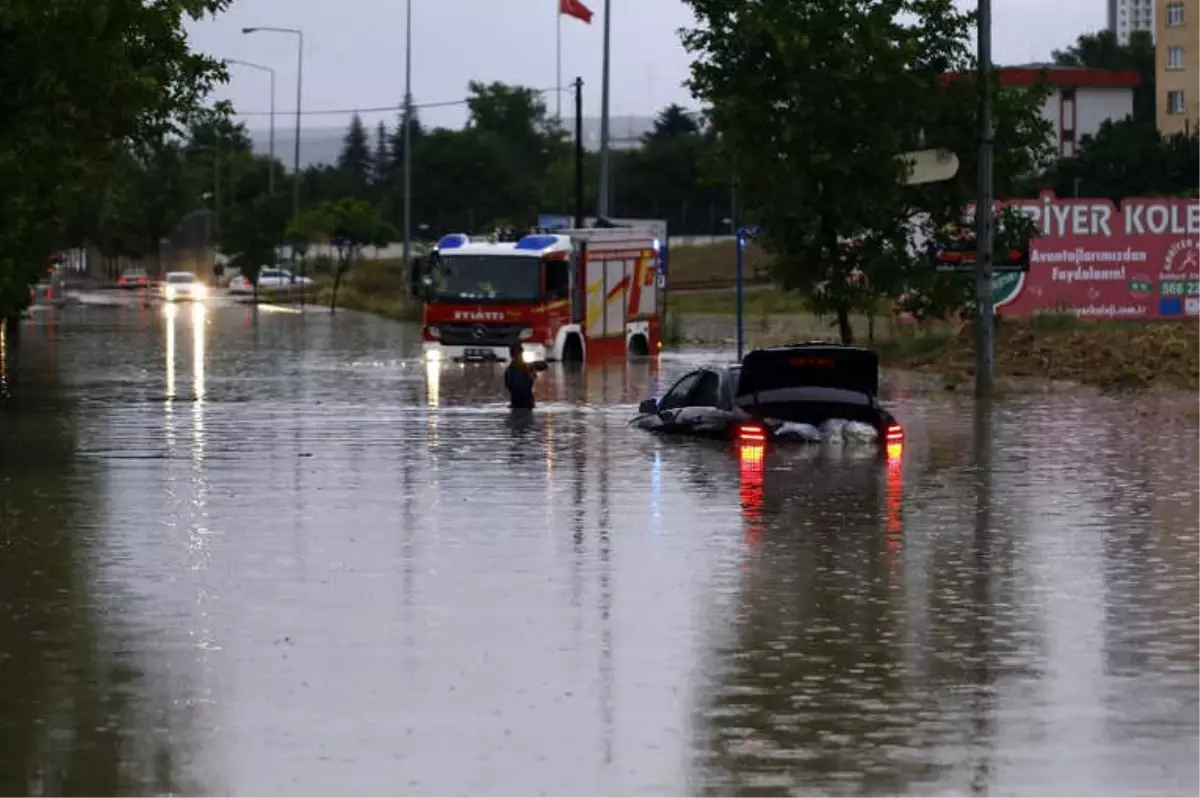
(180, 286)
(270, 280)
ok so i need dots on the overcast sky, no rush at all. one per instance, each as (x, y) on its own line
(354, 51)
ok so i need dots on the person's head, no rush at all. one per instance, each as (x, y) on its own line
(515, 352)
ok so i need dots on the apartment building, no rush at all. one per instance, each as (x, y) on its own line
(1177, 69)
(1081, 99)
(1126, 16)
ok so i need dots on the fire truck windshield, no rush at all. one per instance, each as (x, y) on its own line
(497, 278)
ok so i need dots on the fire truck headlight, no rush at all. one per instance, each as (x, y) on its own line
(433, 355)
(528, 357)
(434, 332)
(526, 333)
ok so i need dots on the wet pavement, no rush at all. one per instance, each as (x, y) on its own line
(278, 554)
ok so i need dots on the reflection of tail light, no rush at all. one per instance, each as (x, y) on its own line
(750, 462)
(893, 438)
(894, 499)
(751, 435)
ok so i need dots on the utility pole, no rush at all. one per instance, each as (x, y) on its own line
(579, 212)
(984, 220)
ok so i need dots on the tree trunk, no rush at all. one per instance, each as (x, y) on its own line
(843, 323)
(871, 327)
(337, 280)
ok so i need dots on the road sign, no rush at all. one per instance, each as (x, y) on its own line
(554, 222)
(962, 259)
(930, 166)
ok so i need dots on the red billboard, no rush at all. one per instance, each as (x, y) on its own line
(1099, 260)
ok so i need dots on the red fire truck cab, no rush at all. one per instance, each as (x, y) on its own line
(573, 295)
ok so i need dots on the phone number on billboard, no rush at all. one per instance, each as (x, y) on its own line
(1179, 288)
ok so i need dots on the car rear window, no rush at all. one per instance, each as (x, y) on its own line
(180, 277)
(849, 369)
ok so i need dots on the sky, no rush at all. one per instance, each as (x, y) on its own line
(354, 52)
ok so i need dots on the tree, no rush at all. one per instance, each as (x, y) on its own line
(349, 224)
(252, 231)
(95, 77)
(381, 160)
(355, 158)
(814, 101)
(1101, 50)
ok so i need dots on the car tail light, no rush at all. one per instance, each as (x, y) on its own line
(893, 438)
(753, 434)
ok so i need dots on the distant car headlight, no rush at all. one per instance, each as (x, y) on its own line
(526, 333)
(169, 291)
(199, 290)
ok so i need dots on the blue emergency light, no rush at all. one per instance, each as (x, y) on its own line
(453, 241)
(536, 242)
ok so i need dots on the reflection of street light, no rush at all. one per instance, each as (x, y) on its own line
(299, 34)
(271, 145)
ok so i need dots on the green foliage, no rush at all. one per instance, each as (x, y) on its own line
(86, 81)
(1128, 158)
(355, 160)
(815, 100)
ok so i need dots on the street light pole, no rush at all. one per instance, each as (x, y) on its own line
(271, 145)
(299, 34)
(408, 143)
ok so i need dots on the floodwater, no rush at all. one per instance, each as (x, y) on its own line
(279, 554)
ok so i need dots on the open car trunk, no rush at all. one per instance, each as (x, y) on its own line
(810, 384)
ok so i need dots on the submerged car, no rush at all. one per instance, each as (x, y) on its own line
(800, 392)
(179, 286)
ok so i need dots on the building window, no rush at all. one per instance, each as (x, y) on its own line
(1175, 101)
(1175, 57)
(1174, 15)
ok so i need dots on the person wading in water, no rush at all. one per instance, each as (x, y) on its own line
(518, 379)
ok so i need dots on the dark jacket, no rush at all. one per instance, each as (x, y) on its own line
(518, 381)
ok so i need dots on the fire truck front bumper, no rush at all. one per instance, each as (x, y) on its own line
(435, 351)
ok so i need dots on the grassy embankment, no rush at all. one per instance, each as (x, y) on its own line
(1110, 355)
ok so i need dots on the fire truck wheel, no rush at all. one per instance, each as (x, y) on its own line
(638, 346)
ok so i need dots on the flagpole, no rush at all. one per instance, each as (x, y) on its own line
(558, 61)
(602, 188)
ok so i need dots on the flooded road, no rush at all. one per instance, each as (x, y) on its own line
(278, 554)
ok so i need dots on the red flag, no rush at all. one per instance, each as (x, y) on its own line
(574, 8)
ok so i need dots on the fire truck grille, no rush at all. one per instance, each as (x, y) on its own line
(480, 334)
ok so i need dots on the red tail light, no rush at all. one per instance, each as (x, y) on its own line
(751, 434)
(893, 438)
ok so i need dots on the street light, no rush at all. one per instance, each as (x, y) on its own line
(408, 141)
(271, 72)
(299, 34)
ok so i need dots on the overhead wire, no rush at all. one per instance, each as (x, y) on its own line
(400, 107)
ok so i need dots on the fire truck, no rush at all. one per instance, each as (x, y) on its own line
(570, 295)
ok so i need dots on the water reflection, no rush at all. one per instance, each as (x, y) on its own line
(3, 359)
(84, 709)
(355, 572)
